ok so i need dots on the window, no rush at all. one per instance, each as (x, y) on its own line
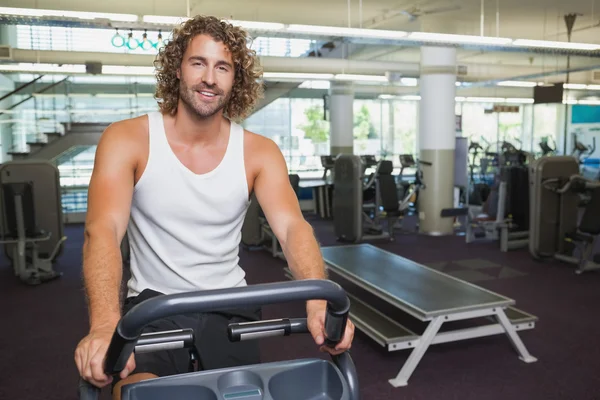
(105, 40)
(545, 121)
(480, 125)
(367, 127)
(404, 124)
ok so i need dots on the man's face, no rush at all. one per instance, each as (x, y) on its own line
(206, 76)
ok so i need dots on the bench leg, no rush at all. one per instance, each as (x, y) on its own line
(418, 352)
(514, 337)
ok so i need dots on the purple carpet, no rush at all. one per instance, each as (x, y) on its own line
(44, 324)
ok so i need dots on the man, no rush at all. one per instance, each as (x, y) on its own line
(179, 181)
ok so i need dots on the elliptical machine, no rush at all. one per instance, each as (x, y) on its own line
(547, 150)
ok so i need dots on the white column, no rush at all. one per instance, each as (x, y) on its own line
(341, 100)
(437, 137)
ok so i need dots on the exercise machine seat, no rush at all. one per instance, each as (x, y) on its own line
(387, 189)
(579, 237)
(590, 220)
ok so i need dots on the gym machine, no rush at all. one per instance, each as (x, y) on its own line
(581, 151)
(546, 149)
(305, 379)
(504, 216)
(328, 163)
(32, 225)
(409, 190)
(351, 218)
(256, 231)
(554, 216)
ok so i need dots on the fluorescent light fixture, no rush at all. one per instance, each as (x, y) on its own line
(115, 95)
(315, 85)
(127, 70)
(485, 99)
(466, 39)
(161, 19)
(258, 26)
(48, 68)
(34, 12)
(460, 99)
(517, 84)
(457, 83)
(556, 45)
(519, 101)
(409, 81)
(361, 78)
(345, 32)
(589, 102)
(296, 76)
(570, 101)
(575, 86)
(593, 87)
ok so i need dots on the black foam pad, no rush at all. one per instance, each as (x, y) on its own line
(386, 167)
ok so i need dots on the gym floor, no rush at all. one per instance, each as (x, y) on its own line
(43, 325)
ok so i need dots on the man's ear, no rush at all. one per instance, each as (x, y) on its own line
(179, 73)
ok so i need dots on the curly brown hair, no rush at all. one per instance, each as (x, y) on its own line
(247, 89)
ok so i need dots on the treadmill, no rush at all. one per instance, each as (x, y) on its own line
(305, 379)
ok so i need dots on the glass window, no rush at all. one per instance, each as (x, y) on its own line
(312, 131)
(112, 41)
(510, 128)
(405, 124)
(367, 127)
(545, 120)
(480, 124)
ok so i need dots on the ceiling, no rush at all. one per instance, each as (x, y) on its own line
(534, 19)
(528, 19)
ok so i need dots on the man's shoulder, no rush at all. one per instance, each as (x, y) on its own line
(130, 126)
(128, 130)
(259, 145)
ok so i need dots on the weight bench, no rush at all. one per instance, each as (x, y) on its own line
(421, 293)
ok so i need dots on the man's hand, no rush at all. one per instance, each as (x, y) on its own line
(90, 353)
(315, 311)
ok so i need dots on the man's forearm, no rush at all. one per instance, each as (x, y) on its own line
(102, 273)
(302, 252)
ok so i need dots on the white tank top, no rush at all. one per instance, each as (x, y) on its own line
(185, 229)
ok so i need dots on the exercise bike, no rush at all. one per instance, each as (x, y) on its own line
(305, 379)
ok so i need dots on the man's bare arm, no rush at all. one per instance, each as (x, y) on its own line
(281, 207)
(109, 200)
(300, 247)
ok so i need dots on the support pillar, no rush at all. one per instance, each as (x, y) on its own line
(391, 147)
(437, 138)
(341, 101)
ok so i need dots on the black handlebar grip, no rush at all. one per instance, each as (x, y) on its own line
(118, 353)
(259, 329)
(87, 391)
(335, 326)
